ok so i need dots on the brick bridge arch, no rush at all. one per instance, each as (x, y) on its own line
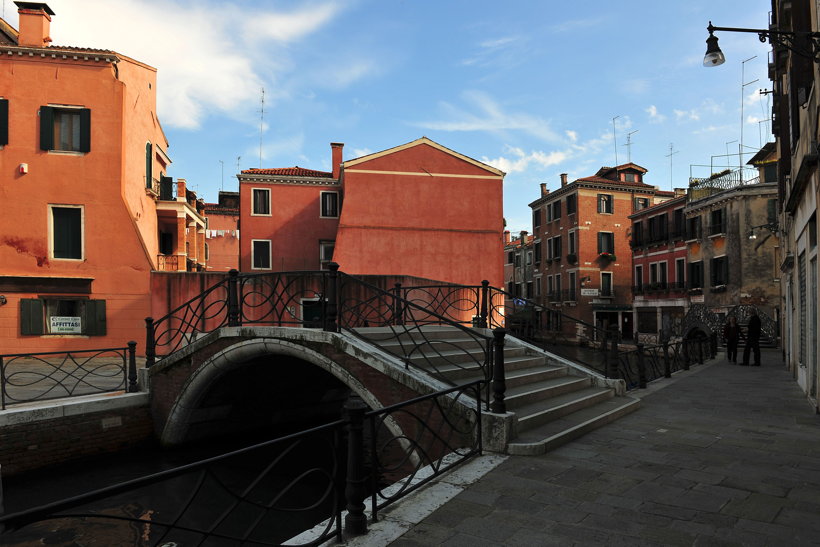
(180, 382)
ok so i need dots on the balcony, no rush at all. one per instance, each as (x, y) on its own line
(168, 263)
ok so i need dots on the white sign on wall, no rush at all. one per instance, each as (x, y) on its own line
(696, 299)
(66, 325)
(589, 292)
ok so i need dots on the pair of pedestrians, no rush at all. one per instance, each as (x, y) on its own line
(732, 335)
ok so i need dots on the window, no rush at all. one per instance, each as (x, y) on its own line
(149, 165)
(537, 252)
(62, 316)
(554, 247)
(529, 258)
(571, 237)
(536, 218)
(606, 284)
(662, 274)
(771, 211)
(326, 253)
(719, 271)
(66, 232)
(65, 129)
(558, 287)
(606, 242)
(4, 122)
(605, 203)
(680, 271)
(653, 273)
(261, 201)
(571, 296)
(658, 228)
(638, 277)
(571, 204)
(556, 210)
(550, 287)
(529, 290)
(637, 234)
(717, 224)
(207, 252)
(630, 177)
(517, 260)
(510, 257)
(260, 254)
(696, 275)
(330, 204)
(537, 286)
(693, 228)
(680, 224)
(641, 203)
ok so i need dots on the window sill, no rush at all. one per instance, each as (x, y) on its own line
(66, 153)
(715, 236)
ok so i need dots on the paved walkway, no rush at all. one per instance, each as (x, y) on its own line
(719, 455)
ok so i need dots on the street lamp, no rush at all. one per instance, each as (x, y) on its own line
(773, 227)
(806, 44)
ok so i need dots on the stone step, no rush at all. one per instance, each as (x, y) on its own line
(538, 413)
(531, 375)
(553, 434)
(426, 332)
(543, 391)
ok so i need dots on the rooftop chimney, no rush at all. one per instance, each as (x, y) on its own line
(336, 158)
(563, 179)
(506, 237)
(544, 190)
(523, 238)
(35, 24)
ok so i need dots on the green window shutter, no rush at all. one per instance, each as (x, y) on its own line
(4, 122)
(85, 130)
(95, 318)
(67, 235)
(31, 316)
(149, 164)
(600, 242)
(46, 128)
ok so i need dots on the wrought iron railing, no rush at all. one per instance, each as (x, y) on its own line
(650, 362)
(29, 377)
(271, 492)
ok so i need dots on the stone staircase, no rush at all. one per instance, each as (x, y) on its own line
(554, 400)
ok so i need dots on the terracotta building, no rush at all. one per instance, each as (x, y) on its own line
(659, 265)
(419, 209)
(222, 233)
(518, 265)
(585, 263)
(84, 161)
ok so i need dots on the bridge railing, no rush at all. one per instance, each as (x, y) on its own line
(271, 492)
(30, 377)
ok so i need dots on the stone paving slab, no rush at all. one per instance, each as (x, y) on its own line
(719, 455)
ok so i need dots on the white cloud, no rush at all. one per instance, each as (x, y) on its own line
(573, 135)
(487, 115)
(683, 115)
(576, 24)
(654, 116)
(210, 56)
(360, 152)
(517, 160)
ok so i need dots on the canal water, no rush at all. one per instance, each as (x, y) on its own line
(304, 503)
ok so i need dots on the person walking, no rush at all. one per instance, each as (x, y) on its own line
(752, 340)
(731, 334)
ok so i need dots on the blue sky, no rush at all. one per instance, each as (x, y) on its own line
(529, 87)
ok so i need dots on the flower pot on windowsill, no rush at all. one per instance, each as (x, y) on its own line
(548, 261)
(609, 257)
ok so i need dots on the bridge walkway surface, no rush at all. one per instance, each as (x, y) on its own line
(718, 455)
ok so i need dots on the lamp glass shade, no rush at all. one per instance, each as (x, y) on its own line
(714, 56)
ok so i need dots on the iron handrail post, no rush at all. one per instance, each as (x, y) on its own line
(233, 299)
(687, 353)
(355, 519)
(398, 318)
(132, 367)
(332, 320)
(667, 366)
(2, 384)
(641, 368)
(482, 323)
(150, 343)
(613, 361)
(700, 350)
(499, 380)
(604, 345)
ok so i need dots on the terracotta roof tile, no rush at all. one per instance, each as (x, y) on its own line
(603, 180)
(289, 171)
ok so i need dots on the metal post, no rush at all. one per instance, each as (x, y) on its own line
(132, 367)
(700, 350)
(233, 299)
(150, 347)
(613, 359)
(398, 314)
(2, 387)
(499, 379)
(2, 506)
(485, 291)
(641, 368)
(604, 342)
(332, 319)
(667, 366)
(355, 492)
(687, 352)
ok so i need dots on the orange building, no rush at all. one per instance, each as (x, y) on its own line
(584, 264)
(82, 161)
(418, 209)
(222, 233)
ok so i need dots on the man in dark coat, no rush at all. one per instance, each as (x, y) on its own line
(752, 340)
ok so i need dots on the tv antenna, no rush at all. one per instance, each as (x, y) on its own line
(671, 153)
(629, 146)
(222, 184)
(615, 139)
(238, 159)
(742, 100)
